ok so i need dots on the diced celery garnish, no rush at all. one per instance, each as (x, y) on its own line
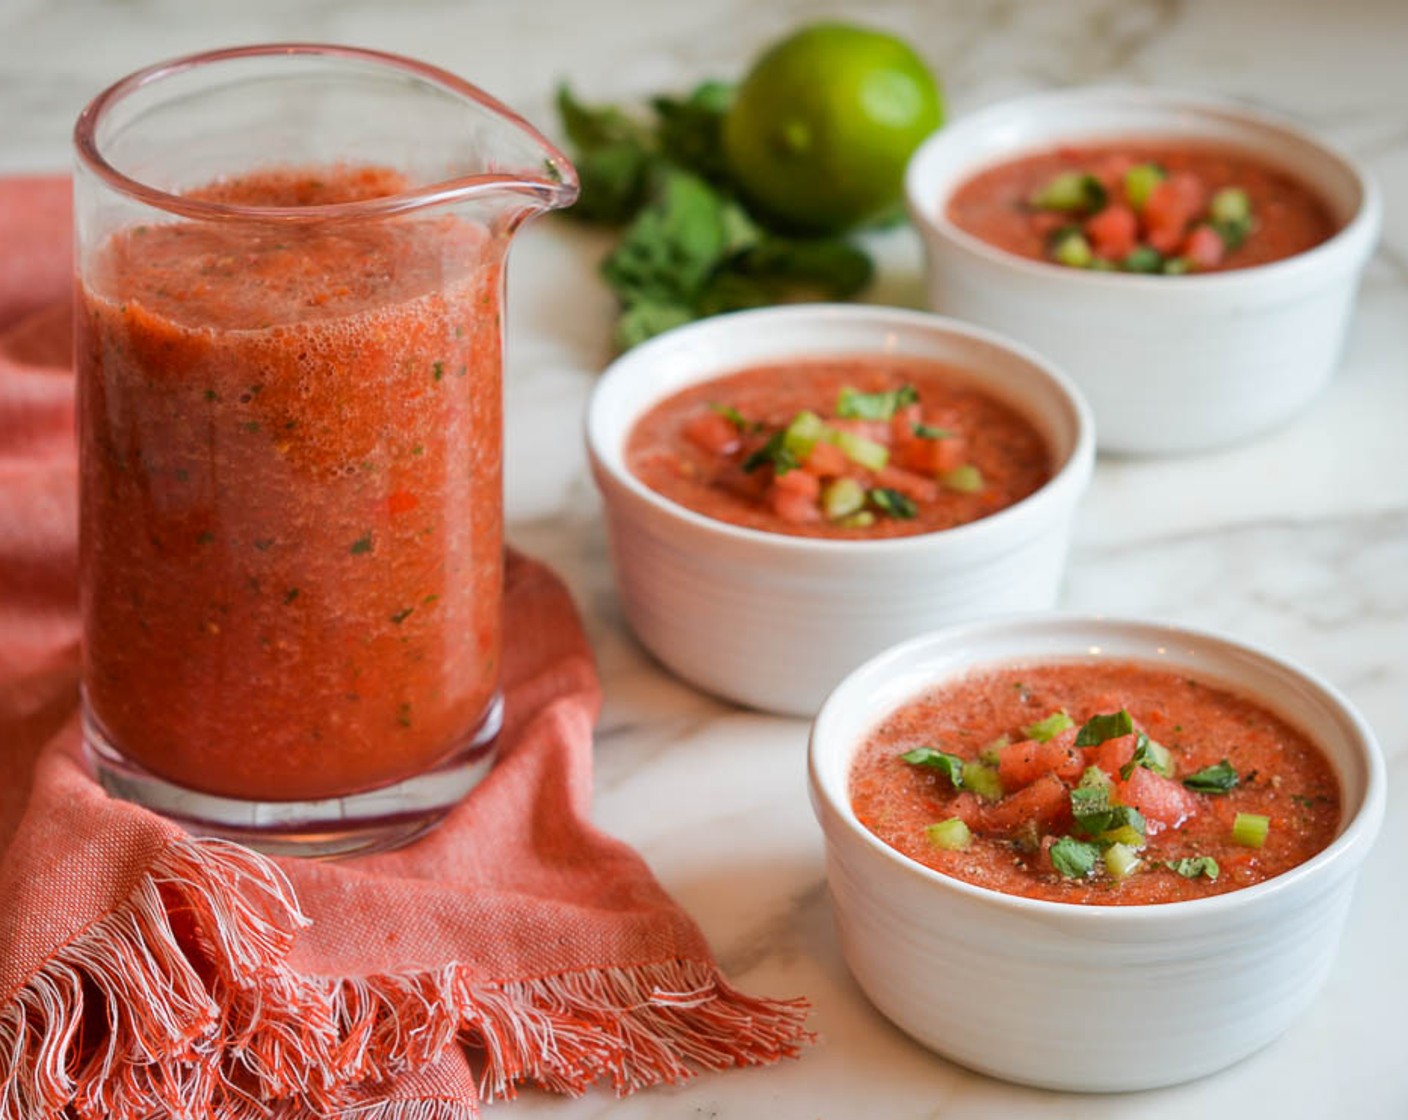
(1071, 190)
(951, 835)
(1126, 834)
(1044, 730)
(982, 779)
(1140, 181)
(842, 497)
(1250, 829)
(1121, 861)
(869, 454)
(1072, 250)
(966, 479)
(1095, 778)
(803, 433)
(1231, 204)
(989, 753)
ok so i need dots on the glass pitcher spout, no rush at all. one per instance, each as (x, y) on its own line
(449, 141)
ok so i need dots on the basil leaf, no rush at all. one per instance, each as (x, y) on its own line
(1044, 730)
(1193, 866)
(1098, 817)
(1074, 859)
(1218, 778)
(855, 405)
(732, 415)
(774, 452)
(691, 128)
(1097, 729)
(948, 764)
(893, 502)
(1090, 805)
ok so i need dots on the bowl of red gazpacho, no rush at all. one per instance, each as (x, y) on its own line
(791, 490)
(1192, 263)
(1111, 816)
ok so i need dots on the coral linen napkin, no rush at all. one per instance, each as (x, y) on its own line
(144, 972)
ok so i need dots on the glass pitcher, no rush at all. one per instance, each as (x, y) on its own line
(289, 353)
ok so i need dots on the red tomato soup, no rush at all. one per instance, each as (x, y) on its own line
(848, 447)
(1110, 784)
(291, 492)
(1142, 207)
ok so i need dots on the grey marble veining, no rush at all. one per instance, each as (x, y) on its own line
(1298, 542)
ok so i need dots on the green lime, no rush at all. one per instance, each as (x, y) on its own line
(823, 125)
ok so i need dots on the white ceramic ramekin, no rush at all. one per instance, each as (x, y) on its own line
(774, 621)
(1088, 998)
(1169, 364)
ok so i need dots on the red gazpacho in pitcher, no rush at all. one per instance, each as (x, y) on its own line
(291, 497)
(845, 447)
(1106, 784)
(1142, 206)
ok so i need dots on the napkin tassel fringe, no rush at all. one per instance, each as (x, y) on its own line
(123, 1020)
(180, 1002)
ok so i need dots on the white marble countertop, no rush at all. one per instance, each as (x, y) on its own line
(1298, 542)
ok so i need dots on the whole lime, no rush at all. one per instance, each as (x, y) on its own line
(823, 125)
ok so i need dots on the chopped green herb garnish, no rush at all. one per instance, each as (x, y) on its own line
(205, 537)
(263, 544)
(418, 449)
(1150, 755)
(929, 431)
(290, 595)
(1144, 258)
(773, 452)
(361, 544)
(1094, 776)
(894, 503)
(438, 369)
(952, 835)
(250, 425)
(1097, 816)
(1044, 730)
(861, 519)
(1193, 866)
(183, 475)
(949, 765)
(403, 715)
(401, 615)
(1218, 778)
(732, 415)
(1097, 729)
(1074, 859)
(855, 405)
(212, 395)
